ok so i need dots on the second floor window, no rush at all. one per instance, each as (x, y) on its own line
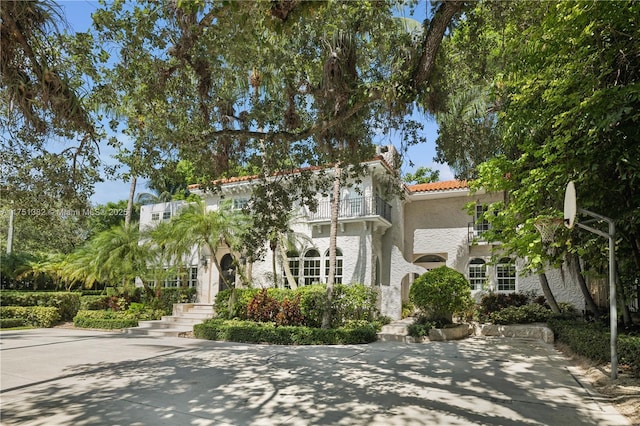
(480, 224)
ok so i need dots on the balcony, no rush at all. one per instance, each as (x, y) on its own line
(354, 209)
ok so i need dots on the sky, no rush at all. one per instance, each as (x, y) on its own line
(78, 15)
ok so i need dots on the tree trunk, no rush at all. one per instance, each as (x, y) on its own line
(273, 245)
(574, 264)
(333, 239)
(551, 300)
(622, 300)
(132, 193)
(287, 271)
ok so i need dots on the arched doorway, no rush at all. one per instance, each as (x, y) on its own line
(228, 269)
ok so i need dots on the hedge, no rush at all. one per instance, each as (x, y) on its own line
(11, 322)
(67, 303)
(35, 316)
(105, 319)
(592, 340)
(252, 332)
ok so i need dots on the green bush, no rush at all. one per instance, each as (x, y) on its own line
(494, 302)
(420, 327)
(524, 314)
(313, 302)
(105, 319)
(252, 332)
(11, 322)
(350, 302)
(592, 340)
(35, 316)
(94, 303)
(164, 298)
(441, 293)
(67, 303)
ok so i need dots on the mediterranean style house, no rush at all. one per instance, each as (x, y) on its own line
(385, 240)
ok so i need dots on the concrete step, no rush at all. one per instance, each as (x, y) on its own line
(386, 337)
(399, 329)
(185, 316)
(168, 332)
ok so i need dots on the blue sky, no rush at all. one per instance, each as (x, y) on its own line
(78, 15)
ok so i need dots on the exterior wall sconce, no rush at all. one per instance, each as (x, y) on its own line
(203, 261)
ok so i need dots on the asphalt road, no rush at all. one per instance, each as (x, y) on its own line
(76, 377)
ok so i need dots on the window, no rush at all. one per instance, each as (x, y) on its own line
(166, 215)
(311, 267)
(240, 203)
(506, 275)
(293, 258)
(171, 280)
(477, 273)
(338, 273)
(155, 216)
(480, 225)
(193, 276)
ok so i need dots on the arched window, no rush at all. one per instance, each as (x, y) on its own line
(506, 274)
(337, 279)
(293, 259)
(477, 273)
(430, 261)
(311, 267)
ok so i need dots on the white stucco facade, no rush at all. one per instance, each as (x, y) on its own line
(387, 236)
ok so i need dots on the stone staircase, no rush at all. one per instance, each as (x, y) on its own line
(185, 316)
(396, 331)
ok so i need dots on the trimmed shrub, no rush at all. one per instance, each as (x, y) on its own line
(105, 319)
(592, 340)
(67, 303)
(35, 316)
(441, 293)
(11, 322)
(524, 314)
(252, 332)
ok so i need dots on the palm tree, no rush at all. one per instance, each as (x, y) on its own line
(51, 265)
(195, 225)
(114, 256)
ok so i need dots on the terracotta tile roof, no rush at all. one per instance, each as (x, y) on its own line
(439, 186)
(297, 170)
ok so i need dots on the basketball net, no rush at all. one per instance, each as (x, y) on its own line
(547, 227)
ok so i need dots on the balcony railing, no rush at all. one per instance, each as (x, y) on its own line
(476, 232)
(354, 208)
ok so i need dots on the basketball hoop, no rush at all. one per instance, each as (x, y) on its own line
(547, 227)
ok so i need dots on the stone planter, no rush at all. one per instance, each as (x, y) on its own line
(458, 332)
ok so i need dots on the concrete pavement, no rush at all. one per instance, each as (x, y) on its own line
(76, 377)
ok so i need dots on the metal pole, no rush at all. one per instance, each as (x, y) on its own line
(613, 310)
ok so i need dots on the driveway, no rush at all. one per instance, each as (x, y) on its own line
(76, 377)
